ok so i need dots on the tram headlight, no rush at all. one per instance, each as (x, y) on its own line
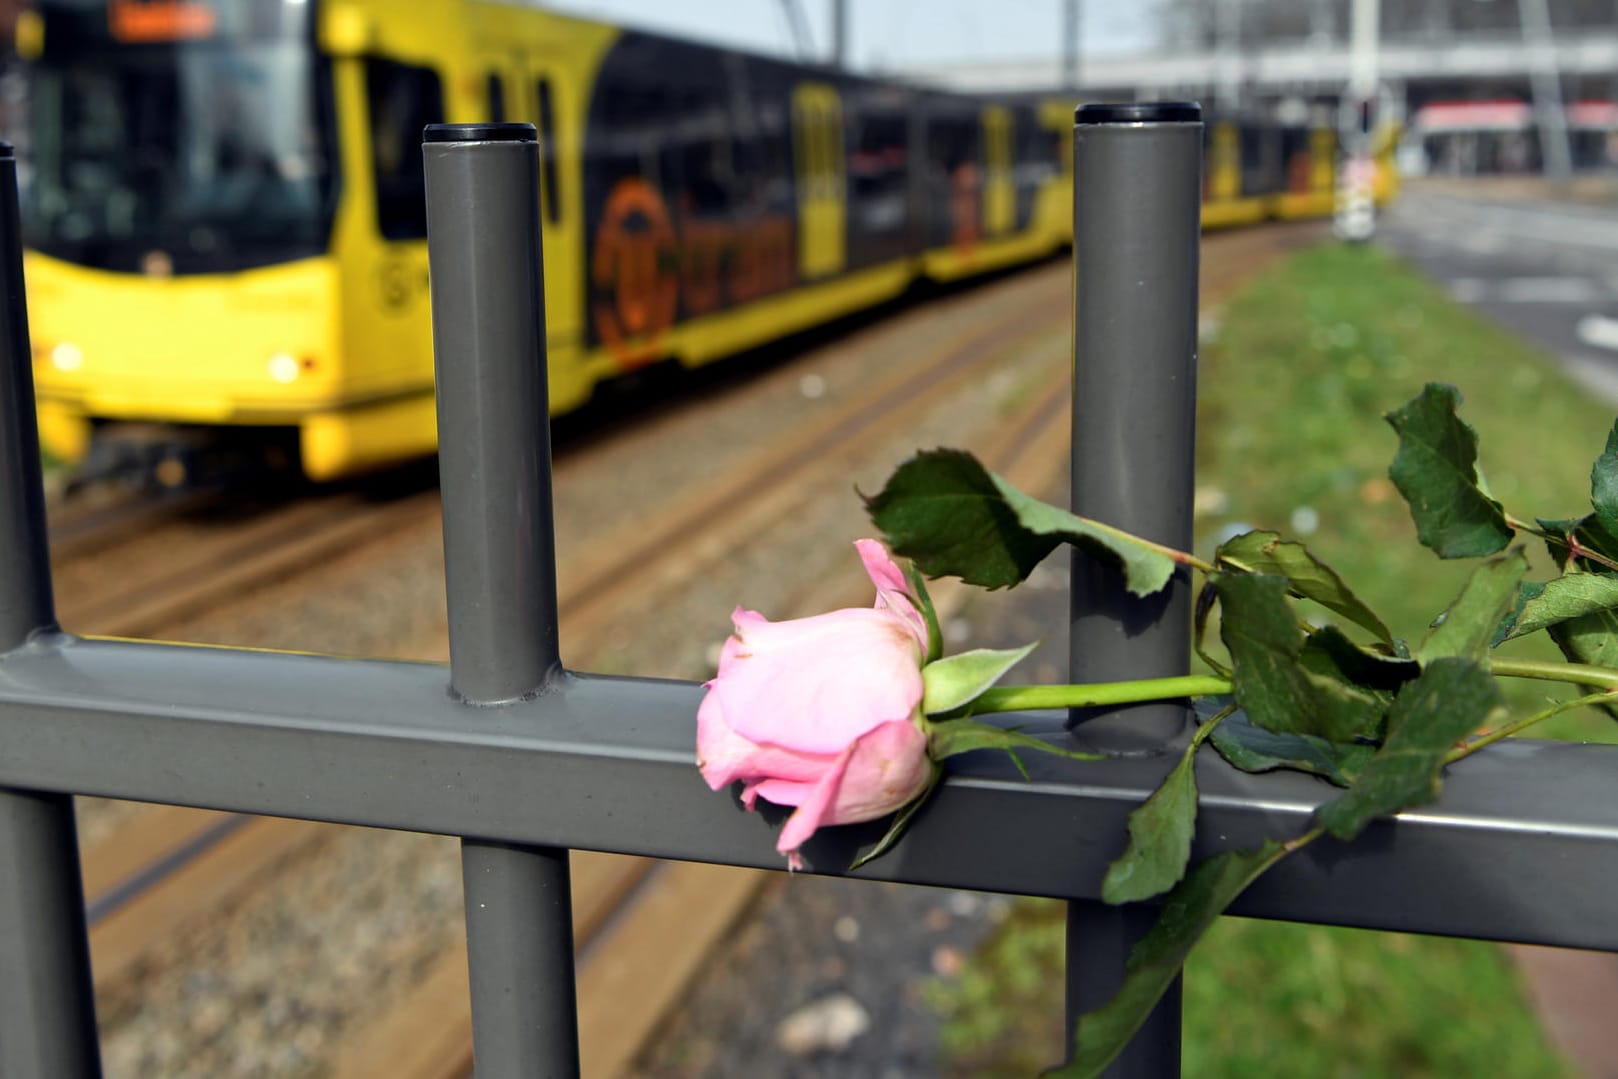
(284, 368)
(67, 357)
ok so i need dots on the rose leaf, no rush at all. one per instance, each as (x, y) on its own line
(1160, 831)
(952, 736)
(1286, 680)
(1452, 698)
(1254, 749)
(955, 518)
(1561, 599)
(1436, 472)
(1153, 963)
(1267, 553)
(1468, 626)
(1604, 483)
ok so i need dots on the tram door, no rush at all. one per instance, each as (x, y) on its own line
(999, 189)
(817, 143)
(1223, 181)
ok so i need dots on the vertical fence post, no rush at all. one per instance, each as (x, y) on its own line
(47, 1003)
(500, 561)
(1136, 226)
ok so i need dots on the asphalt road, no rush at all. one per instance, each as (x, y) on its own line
(1549, 271)
(1545, 269)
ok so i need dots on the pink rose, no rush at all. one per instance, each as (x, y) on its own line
(822, 713)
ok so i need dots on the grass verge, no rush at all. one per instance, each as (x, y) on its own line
(1292, 390)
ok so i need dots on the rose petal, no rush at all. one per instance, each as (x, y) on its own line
(887, 770)
(892, 590)
(882, 772)
(814, 809)
(816, 684)
(725, 756)
(786, 792)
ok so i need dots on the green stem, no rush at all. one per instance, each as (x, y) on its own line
(1517, 726)
(1174, 554)
(1026, 698)
(1208, 726)
(1581, 674)
(1574, 547)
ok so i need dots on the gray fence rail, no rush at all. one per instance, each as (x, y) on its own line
(525, 760)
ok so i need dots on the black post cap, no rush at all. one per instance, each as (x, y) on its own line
(522, 132)
(6, 151)
(1140, 112)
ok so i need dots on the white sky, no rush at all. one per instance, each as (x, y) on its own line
(890, 33)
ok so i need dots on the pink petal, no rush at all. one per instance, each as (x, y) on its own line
(787, 792)
(814, 685)
(813, 810)
(892, 590)
(725, 756)
(882, 772)
(888, 769)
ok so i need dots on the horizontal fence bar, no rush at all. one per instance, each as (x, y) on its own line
(608, 764)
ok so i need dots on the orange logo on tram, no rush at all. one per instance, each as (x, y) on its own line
(635, 269)
(141, 21)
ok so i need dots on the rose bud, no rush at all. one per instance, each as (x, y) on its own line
(822, 713)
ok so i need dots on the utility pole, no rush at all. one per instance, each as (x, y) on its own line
(1229, 37)
(1537, 39)
(1070, 44)
(1355, 218)
(839, 34)
(799, 29)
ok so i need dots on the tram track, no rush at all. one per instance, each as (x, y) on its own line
(195, 858)
(677, 913)
(167, 869)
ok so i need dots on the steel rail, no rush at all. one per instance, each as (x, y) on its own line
(606, 764)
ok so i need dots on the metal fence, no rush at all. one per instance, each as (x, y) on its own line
(526, 760)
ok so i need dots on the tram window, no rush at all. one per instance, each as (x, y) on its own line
(495, 89)
(547, 153)
(878, 164)
(403, 99)
(951, 142)
(776, 154)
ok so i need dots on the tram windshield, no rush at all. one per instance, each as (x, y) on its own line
(202, 144)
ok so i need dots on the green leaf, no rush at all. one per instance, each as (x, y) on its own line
(956, 680)
(1452, 698)
(1160, 832)
(956, 518)
(1436, 472)
(1589, 638)
(952, 736)
(924, 601)
(1370, 669)
(1527, 592)
(1573, 595)
(1153, 963)
(1267, 553)
(1285, 681)
(1604, 483)
(901, 821)
(1470, 623)
(1254, 749)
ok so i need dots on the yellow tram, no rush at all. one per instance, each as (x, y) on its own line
(223, 209)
